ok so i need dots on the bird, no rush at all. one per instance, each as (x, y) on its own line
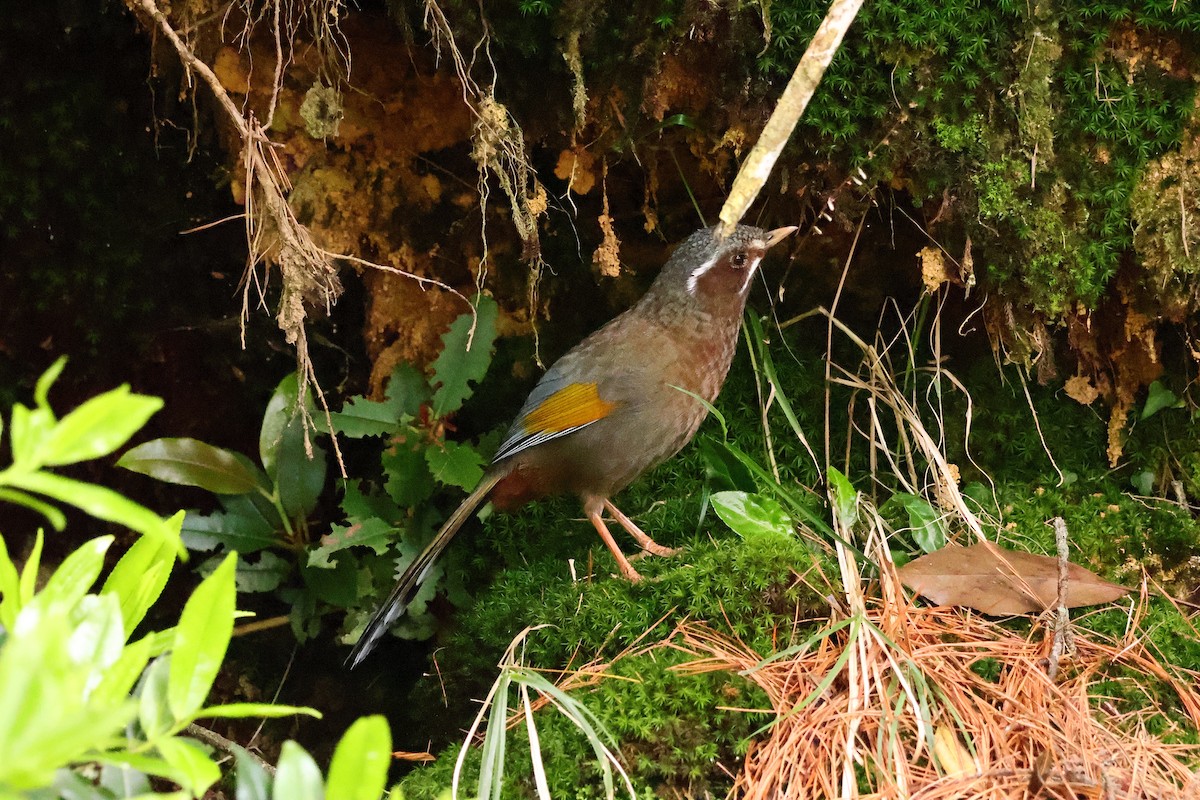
(622, 401)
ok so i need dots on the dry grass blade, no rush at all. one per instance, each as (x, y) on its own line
(967, 736)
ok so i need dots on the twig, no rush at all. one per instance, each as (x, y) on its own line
(227, 746)
(1063, 643)
(800, 89)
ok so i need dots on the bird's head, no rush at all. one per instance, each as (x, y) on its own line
(714, 272)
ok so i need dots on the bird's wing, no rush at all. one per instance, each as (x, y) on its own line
(556, 407)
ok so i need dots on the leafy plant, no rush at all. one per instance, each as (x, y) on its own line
(86, 709)
(266, 508)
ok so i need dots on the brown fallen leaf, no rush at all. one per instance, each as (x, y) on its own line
(1000, 582)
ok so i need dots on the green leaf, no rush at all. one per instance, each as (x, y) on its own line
(10, 589)
(299, 478)
(408, 481)
(97, 633)
(264, 574)
(372, 532)
(55, 517)
(281, 410)
(101, 503)
(41, 392)
(407, 390)
(140, 576)
(117, 681)
(337, 586)
(189, 462)
(297, 776)
(243, 530)
(154, 708)
(201, 639)
(925, 522)
(360, 763)
(844, 497)
(97, 428)
(248, 710)
(253, 782)
(1143, 482)
(190, 764)
(723, 469)
(459, 366)
(29, 430)
(1158, 398)
(78, 571)
(751, 515)
(455, 464)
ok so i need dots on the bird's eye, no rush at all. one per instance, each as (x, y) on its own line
(739, 260)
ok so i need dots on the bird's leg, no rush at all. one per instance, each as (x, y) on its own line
(646, 543)
(593, 513)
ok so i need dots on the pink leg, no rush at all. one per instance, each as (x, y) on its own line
(646, 543)
(622, 562)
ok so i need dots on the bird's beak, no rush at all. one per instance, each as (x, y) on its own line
(779, 234)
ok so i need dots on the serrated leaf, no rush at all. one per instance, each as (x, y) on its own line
(455, 464)
(337, 586)
(358, 505)
(190, 462)
(360, 762)
(372, 532)
(408, 480)
(97, 427)
(459, 366)
(201, 639)
(297, 776)
(751, 515)
(361, 417)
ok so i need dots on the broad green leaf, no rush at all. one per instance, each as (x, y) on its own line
(118, 680)
(190, 764)
(263, 574)
(360, 762)
(299, 478)
(281, 409)
(723, 469)
(248, 710)
(459, 366)
(407, 390)
(297, 776)
(99, 502)
(97, 428)
(253, 782)
(201, 639)
(243, 529)
(358, 505)
(1158, 398)
(1143, 481)
(190, 462)
(140, 576)
(752, 514)
(455, 464)
(844, 497)
(154, 709)
(78, 571)
(372, 532)
(928, 529)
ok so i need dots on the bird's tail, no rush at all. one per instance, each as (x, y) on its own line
(406, 587)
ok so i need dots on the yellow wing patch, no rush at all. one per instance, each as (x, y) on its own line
(570, 407)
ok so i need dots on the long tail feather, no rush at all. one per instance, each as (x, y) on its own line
(408, 584)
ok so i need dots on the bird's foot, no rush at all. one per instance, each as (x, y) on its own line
(643, 540)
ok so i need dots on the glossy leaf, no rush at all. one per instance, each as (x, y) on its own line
(97, 428)
(97, 633)
(299, 478)
(459, 366)
(751, 515)
(253, 782)
(154, 709)
(29, 429)
(925, 522)
(189, 462)
(255, 710)
(140, 576)
(55, 517)
(190, 764)
(78, 571)
(97, 501)
(280, 411)
(201, 639)
(360, 762)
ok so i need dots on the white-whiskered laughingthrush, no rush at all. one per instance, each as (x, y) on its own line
(620, 402)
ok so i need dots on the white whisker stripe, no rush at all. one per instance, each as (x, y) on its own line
(698, 271)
